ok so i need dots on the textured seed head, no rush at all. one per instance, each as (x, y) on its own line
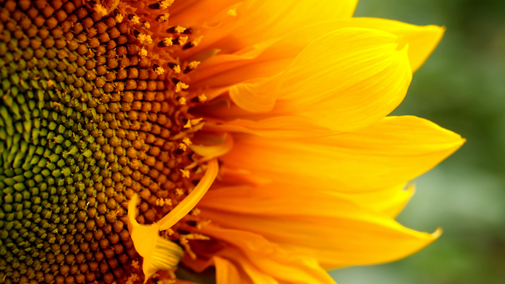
(86, 120)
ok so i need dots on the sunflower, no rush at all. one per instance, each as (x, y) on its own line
(247, 135)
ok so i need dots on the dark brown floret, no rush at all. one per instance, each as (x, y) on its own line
(155, 6)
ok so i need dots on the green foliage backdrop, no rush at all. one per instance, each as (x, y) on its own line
(461, 87)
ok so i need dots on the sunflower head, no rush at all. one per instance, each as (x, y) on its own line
(117, 116)
(90, 116)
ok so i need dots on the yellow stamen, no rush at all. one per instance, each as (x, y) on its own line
(193, 64)
(195, 236)
(192, 122)
(163, 201)
(159, 70)
(100, 10)
(166, 3)
(145, 39)
(185, 173)
(197, 41)
(179, 29)
(167, 233)
(119, 18)
(202, 98)
(184, 242)
(132, 278)
(163, 18)
(135, 264)
(183, 147)
(201, 224)
(183, 40)
(167, 41)
(179, 192)
(180, 86)
(196, 121)
(149, 40)
(188, 124)
(182, 100)
(187, 141)
(195, 212)
(135, 20)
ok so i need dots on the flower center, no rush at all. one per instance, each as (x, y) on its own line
(88, 118)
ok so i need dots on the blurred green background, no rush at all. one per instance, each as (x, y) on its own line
(462, 88)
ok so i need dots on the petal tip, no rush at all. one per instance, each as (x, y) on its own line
(438, 232)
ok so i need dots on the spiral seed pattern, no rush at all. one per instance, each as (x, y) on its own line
(86, 119)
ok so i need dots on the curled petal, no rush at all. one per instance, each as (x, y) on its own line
(159, 253)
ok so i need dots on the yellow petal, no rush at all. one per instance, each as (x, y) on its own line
(389, 201)
(259, 21)
(384, 155)
(255, 97)
(320, 224)
(226, 272)
(270, 58)
(197, 12)
(220, 66)
(422, 40)
(275, 127)
(222, 72)
(263, 261)
(346, 80)
(275, 18)
(252, 21)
